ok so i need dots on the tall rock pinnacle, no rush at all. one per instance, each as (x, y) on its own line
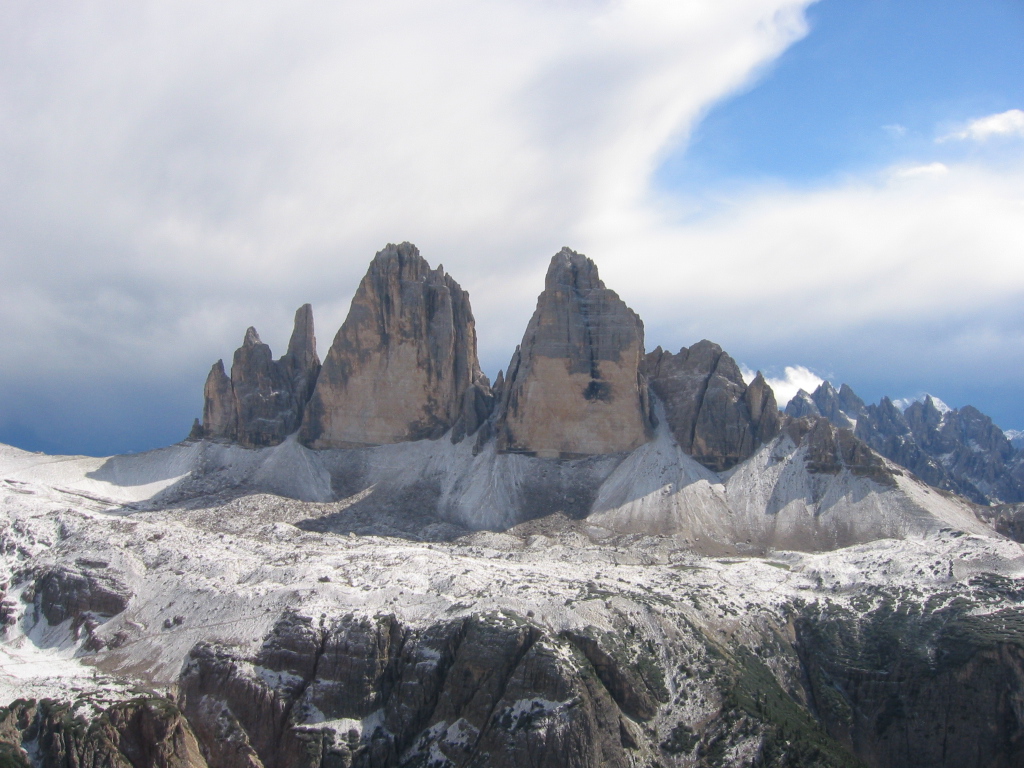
(574, 386)
(403, 365)
(263, 400)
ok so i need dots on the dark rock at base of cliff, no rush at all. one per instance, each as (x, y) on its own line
(907, 687)
(140, 733)
(85, 596)
(479, 691)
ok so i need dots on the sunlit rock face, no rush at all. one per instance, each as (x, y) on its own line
(403, 361)
(262, 401)
(574, 386)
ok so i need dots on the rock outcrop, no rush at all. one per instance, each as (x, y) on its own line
(262, 402)
(357, 692)
(87, 596)
(142, 733)
(713, 414)
(403, 366)
(574, 386)
(958, 450)
(905, 684)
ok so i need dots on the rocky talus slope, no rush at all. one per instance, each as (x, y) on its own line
(958, 450)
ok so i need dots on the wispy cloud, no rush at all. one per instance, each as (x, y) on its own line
(929, 169)
(1009, 123)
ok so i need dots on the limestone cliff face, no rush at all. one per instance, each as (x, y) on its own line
(574, 386)
(262, 401)
(450, 693)
(714, 416)
(404, 365)
(147, 732)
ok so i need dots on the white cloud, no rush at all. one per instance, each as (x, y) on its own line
(194, 165)
(794, 378)
(778, 264)
(1009, 123)
(930, 169)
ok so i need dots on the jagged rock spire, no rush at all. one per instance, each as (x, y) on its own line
(574, 385)
(714, 416)
(404, 365)
(262, 401)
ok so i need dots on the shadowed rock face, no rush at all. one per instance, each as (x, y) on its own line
(930, 686)
(144, 733)
(714, 416)
(574, 386)
(404, 365)
(263, 400)
(476, 691)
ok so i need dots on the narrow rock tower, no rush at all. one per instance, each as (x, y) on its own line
(403, 365)
(262, 401)
(574, 386)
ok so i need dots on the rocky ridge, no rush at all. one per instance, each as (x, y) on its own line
(958, 450)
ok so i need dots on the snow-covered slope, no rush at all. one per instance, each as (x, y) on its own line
(777, 499)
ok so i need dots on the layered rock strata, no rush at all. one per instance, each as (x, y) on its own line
(403, 366)
(574, 386)
(713, 414)
(262, 402)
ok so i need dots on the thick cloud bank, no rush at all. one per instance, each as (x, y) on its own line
(175, 172)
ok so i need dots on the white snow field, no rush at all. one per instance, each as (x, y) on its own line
(213, 542)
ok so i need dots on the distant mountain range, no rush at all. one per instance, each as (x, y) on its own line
(958, 450)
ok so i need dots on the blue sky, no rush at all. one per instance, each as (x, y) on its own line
(835, 185)
(873, 83)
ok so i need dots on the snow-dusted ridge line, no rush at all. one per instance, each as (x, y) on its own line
(771, 500)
